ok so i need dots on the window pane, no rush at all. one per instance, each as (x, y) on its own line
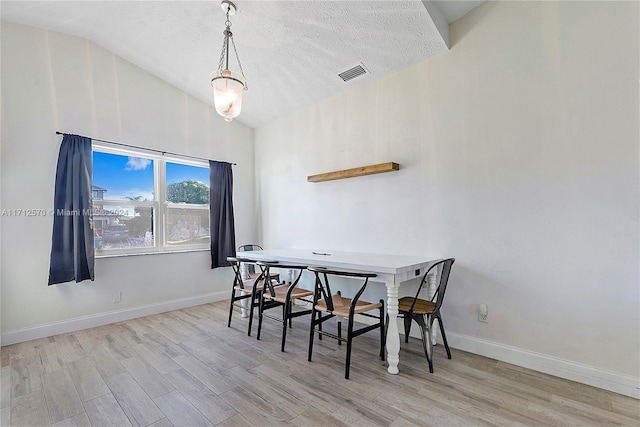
(187, 226)
(117, 177)
(187, 184)
(123, 227)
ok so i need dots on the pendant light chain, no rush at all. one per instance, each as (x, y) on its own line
(246, 86)
(226, 33)
(224, 46)
(229, 35)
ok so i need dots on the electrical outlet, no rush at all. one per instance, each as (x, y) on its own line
(117, 296)
(483, 313)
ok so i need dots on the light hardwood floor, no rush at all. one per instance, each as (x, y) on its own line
(186, 368)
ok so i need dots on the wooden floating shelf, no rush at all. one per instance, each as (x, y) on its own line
(350, 173)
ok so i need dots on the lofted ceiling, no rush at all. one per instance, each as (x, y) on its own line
(291, 51)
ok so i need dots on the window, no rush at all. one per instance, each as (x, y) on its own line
(144, 203)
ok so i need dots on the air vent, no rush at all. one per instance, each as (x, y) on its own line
(352, 73)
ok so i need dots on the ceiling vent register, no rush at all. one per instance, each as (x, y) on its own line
(352, 73)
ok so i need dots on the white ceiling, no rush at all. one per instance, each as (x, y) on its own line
(291, 51)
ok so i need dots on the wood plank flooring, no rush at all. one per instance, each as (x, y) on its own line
(186, 368)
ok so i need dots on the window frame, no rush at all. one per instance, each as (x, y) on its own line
(160, 205)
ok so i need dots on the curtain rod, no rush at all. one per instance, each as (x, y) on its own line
(142, 148)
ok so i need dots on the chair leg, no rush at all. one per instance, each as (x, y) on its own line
(382, 332)
(444, 337)
(252, 304)
(426, 339)
(290, 310)
(233, 297)
(286, 311)
(407, 327)
(349, 342)
(340, 327)
(312, 332)
(260, 311)
(429, 324)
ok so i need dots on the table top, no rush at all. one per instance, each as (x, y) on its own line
(374, 263)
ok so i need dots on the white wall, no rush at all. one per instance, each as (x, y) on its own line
(56, 82)
(519, 156)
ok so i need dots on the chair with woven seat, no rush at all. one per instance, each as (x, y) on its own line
(283, 295)
(425, 312)
(244, 290)
(327, 305)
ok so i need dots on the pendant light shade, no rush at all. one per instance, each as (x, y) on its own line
(227, 85)
(227, 93)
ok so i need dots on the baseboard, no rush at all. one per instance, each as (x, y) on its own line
(585, 374)
(91, 321)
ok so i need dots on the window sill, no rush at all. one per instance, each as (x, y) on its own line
(120, 255)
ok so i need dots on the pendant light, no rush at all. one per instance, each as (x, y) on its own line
(228, 85)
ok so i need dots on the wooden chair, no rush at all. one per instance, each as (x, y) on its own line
(283, 295)
(337, 305)
(243, 289)
(424, 312)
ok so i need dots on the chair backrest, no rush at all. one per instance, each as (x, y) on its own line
(236, 265)
(251, 247)
(266, 266)
(323, 288)
(243, 248)
(438, 296)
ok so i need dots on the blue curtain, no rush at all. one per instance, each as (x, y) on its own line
(72, 252)
(221, 221)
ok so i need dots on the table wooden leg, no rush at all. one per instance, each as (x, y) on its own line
(244, 311)
(244, 273)
(393, 337)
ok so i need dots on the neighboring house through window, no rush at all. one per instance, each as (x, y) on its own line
(97, 192)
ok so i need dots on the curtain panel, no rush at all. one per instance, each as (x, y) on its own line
(221, 220)
(72, 250)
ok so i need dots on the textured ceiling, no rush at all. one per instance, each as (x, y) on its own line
(291, 51)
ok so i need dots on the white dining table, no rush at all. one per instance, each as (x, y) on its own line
(392, 270)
